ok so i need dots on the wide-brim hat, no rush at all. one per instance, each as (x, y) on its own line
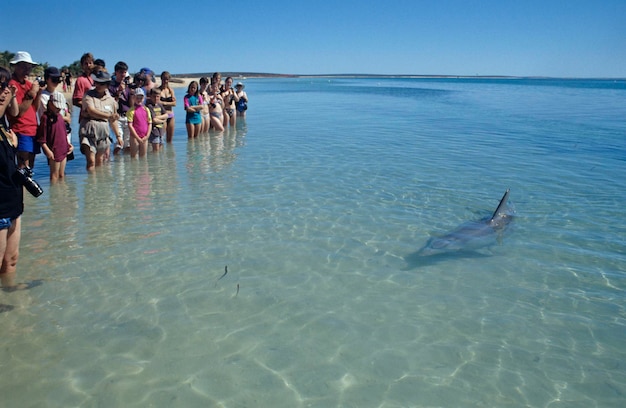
(101, 77)
(240, 84)
(22, 56)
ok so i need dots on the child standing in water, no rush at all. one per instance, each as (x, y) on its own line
(159, 119)
(139, 125)
(52, 135)
(193, 106)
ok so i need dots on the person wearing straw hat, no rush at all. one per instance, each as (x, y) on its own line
(24, 124)
(97, 117)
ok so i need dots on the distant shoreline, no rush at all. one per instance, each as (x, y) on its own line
(183, 80)
(238, 76)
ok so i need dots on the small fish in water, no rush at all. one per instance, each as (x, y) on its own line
(236, 293)
(225, 272)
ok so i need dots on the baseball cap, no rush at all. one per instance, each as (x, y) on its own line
(58, 100)
(51, 72)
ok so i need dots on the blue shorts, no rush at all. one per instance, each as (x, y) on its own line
(5, 223)
(28, 144)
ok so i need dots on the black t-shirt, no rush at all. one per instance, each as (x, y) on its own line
(11, 190)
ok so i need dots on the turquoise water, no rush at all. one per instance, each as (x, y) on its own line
(316, 204)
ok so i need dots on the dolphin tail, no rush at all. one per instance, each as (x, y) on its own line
(500, 209)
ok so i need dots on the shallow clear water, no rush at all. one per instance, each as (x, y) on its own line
(317, 205)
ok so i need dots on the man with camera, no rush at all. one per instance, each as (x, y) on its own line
(24, 124)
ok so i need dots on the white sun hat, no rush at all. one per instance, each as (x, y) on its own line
(22, 56)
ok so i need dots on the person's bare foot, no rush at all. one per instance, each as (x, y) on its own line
(23, 286)
(6, 308)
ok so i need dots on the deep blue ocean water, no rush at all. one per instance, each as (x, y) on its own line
(317, 204)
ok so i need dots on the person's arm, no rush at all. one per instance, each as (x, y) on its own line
(150, 121)
(30, 97)
(193, 108)
(162, 118)
(47, 151)
(114, 127)
(133, 132)
(13, 109)
(80, 88)
(130, 115)
(77, 96)
(173, 103)
(68, 116)
(92, 113)
(41, 137)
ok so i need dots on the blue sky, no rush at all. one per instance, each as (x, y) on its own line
(568, 38)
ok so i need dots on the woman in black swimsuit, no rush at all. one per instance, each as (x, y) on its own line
(230, 101)
(168, 100)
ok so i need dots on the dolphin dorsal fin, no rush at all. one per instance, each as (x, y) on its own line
(501, 206)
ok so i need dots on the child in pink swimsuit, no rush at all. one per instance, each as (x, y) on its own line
(139, 124)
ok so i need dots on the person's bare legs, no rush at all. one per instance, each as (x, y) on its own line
(55, 170)
(100, 158)
(90, 157)
(10, 248)
(62, 169)
(169, 129)
(26, 159)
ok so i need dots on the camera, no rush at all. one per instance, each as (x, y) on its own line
(25, 176)
(42, 84)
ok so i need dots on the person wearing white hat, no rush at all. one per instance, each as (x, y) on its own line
(139, 124)
(52, 78)
(27, 95)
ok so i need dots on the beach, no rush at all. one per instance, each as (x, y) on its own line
(275, 264)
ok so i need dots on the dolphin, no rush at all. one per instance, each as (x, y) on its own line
(472, 235)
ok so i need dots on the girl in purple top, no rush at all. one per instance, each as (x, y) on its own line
(52, 136)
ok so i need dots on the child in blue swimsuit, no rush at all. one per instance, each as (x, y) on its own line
(193, 107)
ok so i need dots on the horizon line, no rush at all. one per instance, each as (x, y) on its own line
(426, 76)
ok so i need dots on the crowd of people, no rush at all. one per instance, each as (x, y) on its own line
(118, 114)
(211, 105)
